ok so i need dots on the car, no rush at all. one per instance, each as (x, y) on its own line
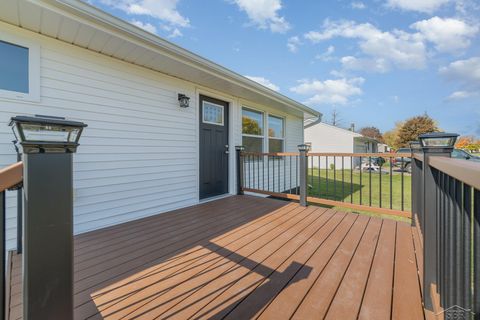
(462, 154)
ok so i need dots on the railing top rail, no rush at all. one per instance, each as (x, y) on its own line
(11, 176)
(463, 170)
(383, 155)
(273, 154)
(331, 154)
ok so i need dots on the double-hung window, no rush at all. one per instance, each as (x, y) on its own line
(252, 130)
(19, 69)
(276, 134)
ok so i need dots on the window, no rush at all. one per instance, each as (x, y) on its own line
(252, 130)
(212, 113)
(276, 134)
(19, 69)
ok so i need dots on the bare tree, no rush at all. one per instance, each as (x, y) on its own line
(336, 118)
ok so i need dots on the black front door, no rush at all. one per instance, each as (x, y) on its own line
(213, 147)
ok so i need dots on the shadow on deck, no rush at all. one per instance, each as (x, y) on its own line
(244, 257)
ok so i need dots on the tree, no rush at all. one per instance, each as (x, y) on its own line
(336, 118)
(390, 136)
(468, 143)
(372, 132)
(414, 127)
(464, 141)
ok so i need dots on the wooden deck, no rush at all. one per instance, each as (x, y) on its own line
(245, 257)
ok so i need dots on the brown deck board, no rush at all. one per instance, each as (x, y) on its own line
(156, 285)
(254, 244)
(348, 299)
(377, 298)
(406, 288)
(244, 257)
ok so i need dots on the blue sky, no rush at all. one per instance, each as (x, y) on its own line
(375, 62)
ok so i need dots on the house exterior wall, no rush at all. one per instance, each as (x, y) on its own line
(139, 155)
(325, 138)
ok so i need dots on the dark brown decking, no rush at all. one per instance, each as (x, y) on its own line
(245, 257)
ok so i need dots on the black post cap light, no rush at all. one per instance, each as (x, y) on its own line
(45, 134)
(438, 140)
(239, 148)
(303, 147)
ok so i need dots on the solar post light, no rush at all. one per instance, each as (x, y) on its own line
(439, 141)
(48, 145)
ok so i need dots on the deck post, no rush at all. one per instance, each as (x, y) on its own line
(303, 168)
(239, 150)
(416, 184)
(48, 145)
(430, 210)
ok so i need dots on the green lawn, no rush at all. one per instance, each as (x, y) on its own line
(320, 186)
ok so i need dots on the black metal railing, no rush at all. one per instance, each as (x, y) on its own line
(270, 172)
(373, 180)
(446, 209)
(369, 182)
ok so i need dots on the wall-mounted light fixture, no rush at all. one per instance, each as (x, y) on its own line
(183, 100)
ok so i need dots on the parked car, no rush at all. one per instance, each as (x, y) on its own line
(404, 163)
(462, 154)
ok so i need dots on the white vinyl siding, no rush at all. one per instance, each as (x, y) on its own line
(139, 155)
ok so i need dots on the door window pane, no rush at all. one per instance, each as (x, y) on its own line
(212, 113)
(275, 145)
(275, 127)
(253, 144)
(13, 67)
(252, 122)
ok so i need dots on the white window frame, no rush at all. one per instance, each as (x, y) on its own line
(262, 136)
(33, 70)
(275, 138)
(209, 122)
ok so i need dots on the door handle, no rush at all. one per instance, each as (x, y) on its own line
(227, 152)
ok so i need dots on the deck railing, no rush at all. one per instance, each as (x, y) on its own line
(359, 181)
(11, 177)
(446, 210)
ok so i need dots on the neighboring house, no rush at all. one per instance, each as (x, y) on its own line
(142, 153)
(383, 148)
(325, 138)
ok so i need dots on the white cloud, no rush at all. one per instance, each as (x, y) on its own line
(379, 65)
(426, 6)
(467, 74)
(164, 10)
(264, 14)
(146, 26)
(459, 95)
(466, 71)
(337, 92)
(396, 48)
(448, 35)
(358, 5)
(327, 55)
(384, 50)
(293, 43)
(264, 82)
